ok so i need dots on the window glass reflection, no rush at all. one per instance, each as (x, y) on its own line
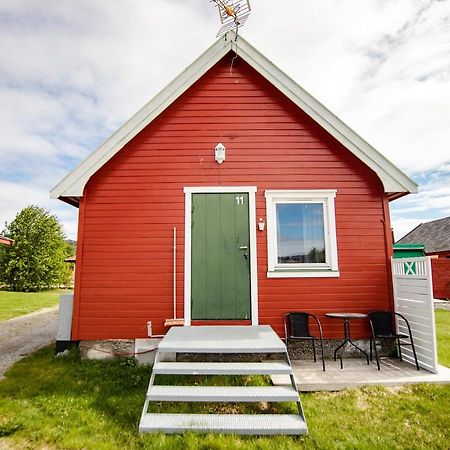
(300, 233)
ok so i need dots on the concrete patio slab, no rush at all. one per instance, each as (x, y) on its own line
(356, 373)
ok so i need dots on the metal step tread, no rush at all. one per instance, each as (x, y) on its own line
(222, 368)
(256, 424)
(222, 339)
(222, 393)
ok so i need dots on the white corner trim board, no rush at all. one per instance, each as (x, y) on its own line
(393, 179)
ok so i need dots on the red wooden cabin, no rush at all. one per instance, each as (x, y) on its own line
(295, 218)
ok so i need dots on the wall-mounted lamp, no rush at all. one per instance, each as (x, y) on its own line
(261, 224)
(219, 153)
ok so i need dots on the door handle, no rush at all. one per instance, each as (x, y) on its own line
(243, 247)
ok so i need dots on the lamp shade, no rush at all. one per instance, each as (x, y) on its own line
(219, 153)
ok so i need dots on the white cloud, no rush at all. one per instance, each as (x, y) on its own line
(72, 72)
(402, 226)
(431, 203)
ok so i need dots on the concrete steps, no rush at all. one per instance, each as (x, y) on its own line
(232, 340)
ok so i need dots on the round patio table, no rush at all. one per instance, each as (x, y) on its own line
(346, 317)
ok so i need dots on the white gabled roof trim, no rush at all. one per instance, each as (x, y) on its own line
(393, 179)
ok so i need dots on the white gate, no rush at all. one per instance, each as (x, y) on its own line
(413, 298)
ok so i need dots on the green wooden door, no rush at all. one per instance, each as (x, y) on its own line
(220, 270)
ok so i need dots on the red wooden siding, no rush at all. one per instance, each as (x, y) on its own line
(441, 277)
(444, 254)
(130, 206)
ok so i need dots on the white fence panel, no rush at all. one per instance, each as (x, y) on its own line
(413, 298)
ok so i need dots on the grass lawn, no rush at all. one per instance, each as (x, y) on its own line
(55, 403)
(14, 304)
(443, 336)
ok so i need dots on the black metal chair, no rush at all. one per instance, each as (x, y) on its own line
(383, 327)
(296, 328)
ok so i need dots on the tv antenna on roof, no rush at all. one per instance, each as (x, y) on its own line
(233, 14)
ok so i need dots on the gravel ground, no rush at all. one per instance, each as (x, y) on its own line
(26, 334)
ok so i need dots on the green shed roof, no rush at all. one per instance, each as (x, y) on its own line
(409, 246)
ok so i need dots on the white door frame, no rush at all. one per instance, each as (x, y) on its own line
(188, 191)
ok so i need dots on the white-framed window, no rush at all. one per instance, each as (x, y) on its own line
(301, 233)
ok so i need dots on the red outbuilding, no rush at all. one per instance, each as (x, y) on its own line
(277, 206)
(6, 241)
(435, 235)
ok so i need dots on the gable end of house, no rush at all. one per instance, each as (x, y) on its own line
(395, 182)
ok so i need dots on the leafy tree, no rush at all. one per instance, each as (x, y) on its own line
(36, 260)
(316, 255)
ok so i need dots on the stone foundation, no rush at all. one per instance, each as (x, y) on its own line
(297, 350)
(106, 349)
(302, 350)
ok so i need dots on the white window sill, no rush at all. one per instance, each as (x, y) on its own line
(304, 274)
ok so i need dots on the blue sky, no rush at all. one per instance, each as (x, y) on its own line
(72, 72)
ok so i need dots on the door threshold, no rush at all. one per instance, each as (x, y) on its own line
(195, 322)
